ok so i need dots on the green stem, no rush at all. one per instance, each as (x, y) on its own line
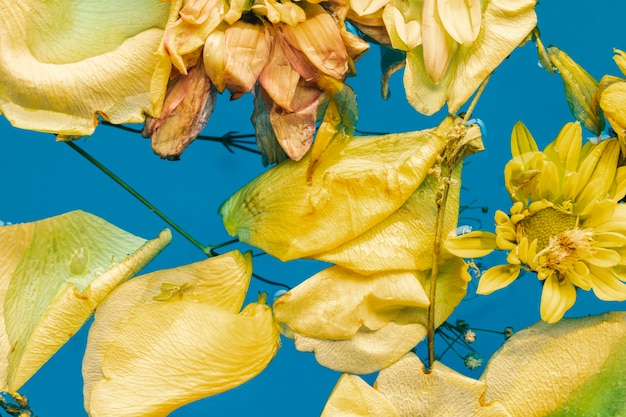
(207, 250)
(441, 210)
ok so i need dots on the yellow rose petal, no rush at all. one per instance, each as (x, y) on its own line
(354, 397)
(336, 302)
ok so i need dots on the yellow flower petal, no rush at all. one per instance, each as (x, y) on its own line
(471, 245)
(556, 298)
(213, 57)
(196, 350)
(406, 238)
(612, 101)
(246, 51)
(319, 39)
(541, 367)
(354, 397)
(108, 54)
(606, 285)
(336, 302)
(566, 147)
(443, 392)
(461, 18)
(367, 351)
(46, 295)
(199, 342)
(580, 90)
(497, 277)
(343, 198)
(523, 145)
(402, 20)
(438, 47)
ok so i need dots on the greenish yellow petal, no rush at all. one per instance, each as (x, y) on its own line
(556, 298)
(342, 199)
(541, 369)
(580, 90)
(354, 397)
(246, 51)
(504, 26)
(106, 51)
(471, 245)
(336, 302)
(443, 392)
(367, 351)
(53, 273)
(497, 277)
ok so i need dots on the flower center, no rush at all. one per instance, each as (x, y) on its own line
(545, 225)
(568, 247)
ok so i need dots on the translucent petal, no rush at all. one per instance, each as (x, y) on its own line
(443, 392)
(108, 54)
(336, 302)
(46, 295)
(612, 102)
(567, 145)
(279, 78)
(196, 350)
(590, 366)
(213, 57)
(342, 199)
(354, 397)
(461, 18)
(438, 47)
(556, 298)
(497, 277)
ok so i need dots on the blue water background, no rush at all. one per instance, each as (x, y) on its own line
(41, 178)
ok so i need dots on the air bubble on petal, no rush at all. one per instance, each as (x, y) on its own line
(278, 294)
(462, 230)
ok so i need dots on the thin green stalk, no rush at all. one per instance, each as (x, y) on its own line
(207, 250)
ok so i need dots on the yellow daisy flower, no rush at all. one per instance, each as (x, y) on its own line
(566, 223)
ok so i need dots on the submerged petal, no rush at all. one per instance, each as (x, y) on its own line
(58, 73)
(189, 317)
(336, 302)
(497, 277)
(342, 199)
(53, 273)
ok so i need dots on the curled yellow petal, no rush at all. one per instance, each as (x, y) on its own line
(461, 18)
(341, 201)
(58, 73)
(336, 302)
(46, 295)
(586, 370)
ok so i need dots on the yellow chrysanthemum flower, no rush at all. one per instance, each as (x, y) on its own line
(612, 98)
(566, 223)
